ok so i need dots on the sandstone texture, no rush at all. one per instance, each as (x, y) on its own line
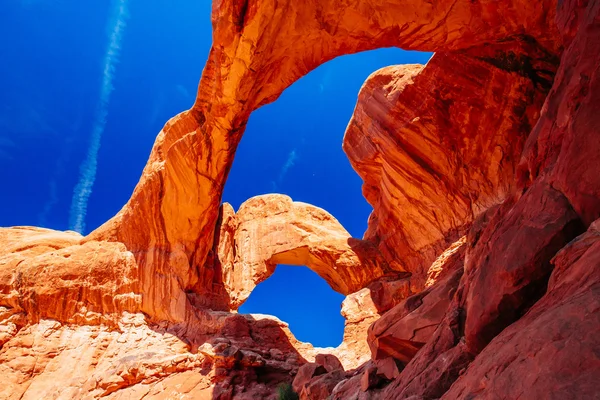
(561, 324)
(478, 275)
(404, 329)
(437, 146)
(272, 229)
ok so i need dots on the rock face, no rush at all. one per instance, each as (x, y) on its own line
(437, 146)
(404, 329)
(52, 275)
(496, 138)
(518, 274)
(259, 49)
(555, 338)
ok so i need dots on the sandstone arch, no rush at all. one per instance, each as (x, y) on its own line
(272, 229)
(161, 239)
(260, 49)
(437, 145)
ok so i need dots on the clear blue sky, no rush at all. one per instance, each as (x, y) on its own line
(51, 75)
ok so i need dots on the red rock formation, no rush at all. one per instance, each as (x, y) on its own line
(504, 276)
(141, 307)
(561, 150)
(551, 349)
(306, 373)
(259, 50)
(270, 230)
(436, 146)
(404, 329)
(508, 257)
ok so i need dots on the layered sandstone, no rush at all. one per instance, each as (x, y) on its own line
(272, 229)
(46, 274)
(438, 145)
(526, 282)
(404, 329)
(485, 139)
(259, 49)
(66, 300)
(555, 338)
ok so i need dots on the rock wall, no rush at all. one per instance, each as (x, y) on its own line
(439, 144)
(496, 138)
(528, 277)
(259, 49)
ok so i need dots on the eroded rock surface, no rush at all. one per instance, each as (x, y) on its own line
(438, 145)
(526, 282)
(272, 229)
(259, 49)
(555, 339)
(404, 329)
(49, 274)
(485, 139)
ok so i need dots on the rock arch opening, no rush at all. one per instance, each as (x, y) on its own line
(301, 298)
(298, 140)
(162, 243)
(293, 145)
(272, 230)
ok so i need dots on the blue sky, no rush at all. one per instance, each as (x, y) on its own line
(53, 81)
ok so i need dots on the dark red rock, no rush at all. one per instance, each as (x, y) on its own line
(564, 145)
(388, 293)
(508, 269)
(305, 374)
(329, 361)
(552, 351)
(369, 378)
(350, 389)
(320, 387)
(403, 330)
(436, 366)
(387, 368)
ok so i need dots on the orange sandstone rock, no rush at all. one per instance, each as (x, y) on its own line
(48, 274)
(259, 49)
(271, 229)
(436, 145)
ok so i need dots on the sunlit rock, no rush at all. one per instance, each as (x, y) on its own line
(495, 138)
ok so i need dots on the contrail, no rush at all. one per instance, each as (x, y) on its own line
(87, 171)
(289, 163)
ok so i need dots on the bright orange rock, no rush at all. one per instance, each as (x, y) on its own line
(259, 50)
(46, 274)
